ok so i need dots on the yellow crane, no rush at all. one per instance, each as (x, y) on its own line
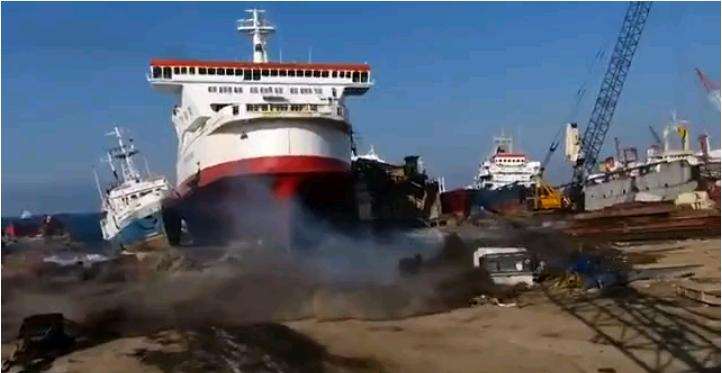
(546, 197)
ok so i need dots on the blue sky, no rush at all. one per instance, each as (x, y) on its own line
(448, 77)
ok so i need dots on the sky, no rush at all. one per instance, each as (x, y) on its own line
(448, 77)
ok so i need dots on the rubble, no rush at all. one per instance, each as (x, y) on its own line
(41, 339)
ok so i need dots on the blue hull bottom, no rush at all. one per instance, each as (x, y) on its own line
(141, 232)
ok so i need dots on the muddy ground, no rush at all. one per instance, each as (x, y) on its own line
(346, 307)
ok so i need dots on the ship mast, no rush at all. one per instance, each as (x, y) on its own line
(259, 29)
(125, 153)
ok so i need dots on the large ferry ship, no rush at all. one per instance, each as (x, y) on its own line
(260, 143)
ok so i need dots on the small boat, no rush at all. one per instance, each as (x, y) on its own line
(131, 207)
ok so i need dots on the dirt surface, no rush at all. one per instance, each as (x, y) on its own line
(645, 327)
(350, 313)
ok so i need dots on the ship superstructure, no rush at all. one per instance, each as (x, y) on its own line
(281, 126)
(504, 166)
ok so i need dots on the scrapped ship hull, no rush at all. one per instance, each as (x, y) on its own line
(653, 183)
(282, 200)
(508, 200)
(456, 202)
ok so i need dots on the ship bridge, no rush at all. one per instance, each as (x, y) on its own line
(355, 79)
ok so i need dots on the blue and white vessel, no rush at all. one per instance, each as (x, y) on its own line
(131, 207)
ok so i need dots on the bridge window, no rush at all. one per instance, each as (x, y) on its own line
(324, 74)
(274, 72)
(356, 76)
(334, 74)
(266, 90)
(307, 73)
(291, 72)
(317, 90)
(157, 71)
(221, 72)
(192, 70)
(211, 71)
(184, 70)
(247, 74)
(299, 72)
(202, 71)
(316, 74)
(218, 107)
(176, 70)
(364, 77)
(278, 90)
(167, 74)
(212, 89)
(294, 91)
(254, 89)
(239, 72)
(348, 74)
(282, 73)
(229, 71)
(264, 72)
(237, 90)
(256, 75)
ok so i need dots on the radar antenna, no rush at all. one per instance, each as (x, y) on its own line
(124, 153)
(259, 29)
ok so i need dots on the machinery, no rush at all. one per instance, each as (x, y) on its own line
(608, 97)
(546, 197)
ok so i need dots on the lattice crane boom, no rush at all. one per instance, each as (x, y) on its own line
(611, 89)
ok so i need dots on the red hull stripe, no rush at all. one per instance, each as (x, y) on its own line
(267, 65)
(264, 166)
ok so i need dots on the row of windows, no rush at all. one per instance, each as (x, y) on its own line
(274, 108)
(264, 90)
(256, 74)
(213, 89)
(281, 107)
(512, 160)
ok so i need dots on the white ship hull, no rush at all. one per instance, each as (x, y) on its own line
(233, 148)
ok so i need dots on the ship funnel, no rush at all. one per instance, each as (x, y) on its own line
(259, 29)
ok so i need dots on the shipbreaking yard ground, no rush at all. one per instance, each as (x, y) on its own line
(667, 319)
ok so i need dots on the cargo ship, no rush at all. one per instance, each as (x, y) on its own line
(505, 180)
(503, 184)
(263, 147)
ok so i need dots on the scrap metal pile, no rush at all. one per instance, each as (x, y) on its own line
(640, 221)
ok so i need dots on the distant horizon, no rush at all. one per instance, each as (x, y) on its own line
(448, 78)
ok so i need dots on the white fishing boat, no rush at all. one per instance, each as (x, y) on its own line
(131, 207)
